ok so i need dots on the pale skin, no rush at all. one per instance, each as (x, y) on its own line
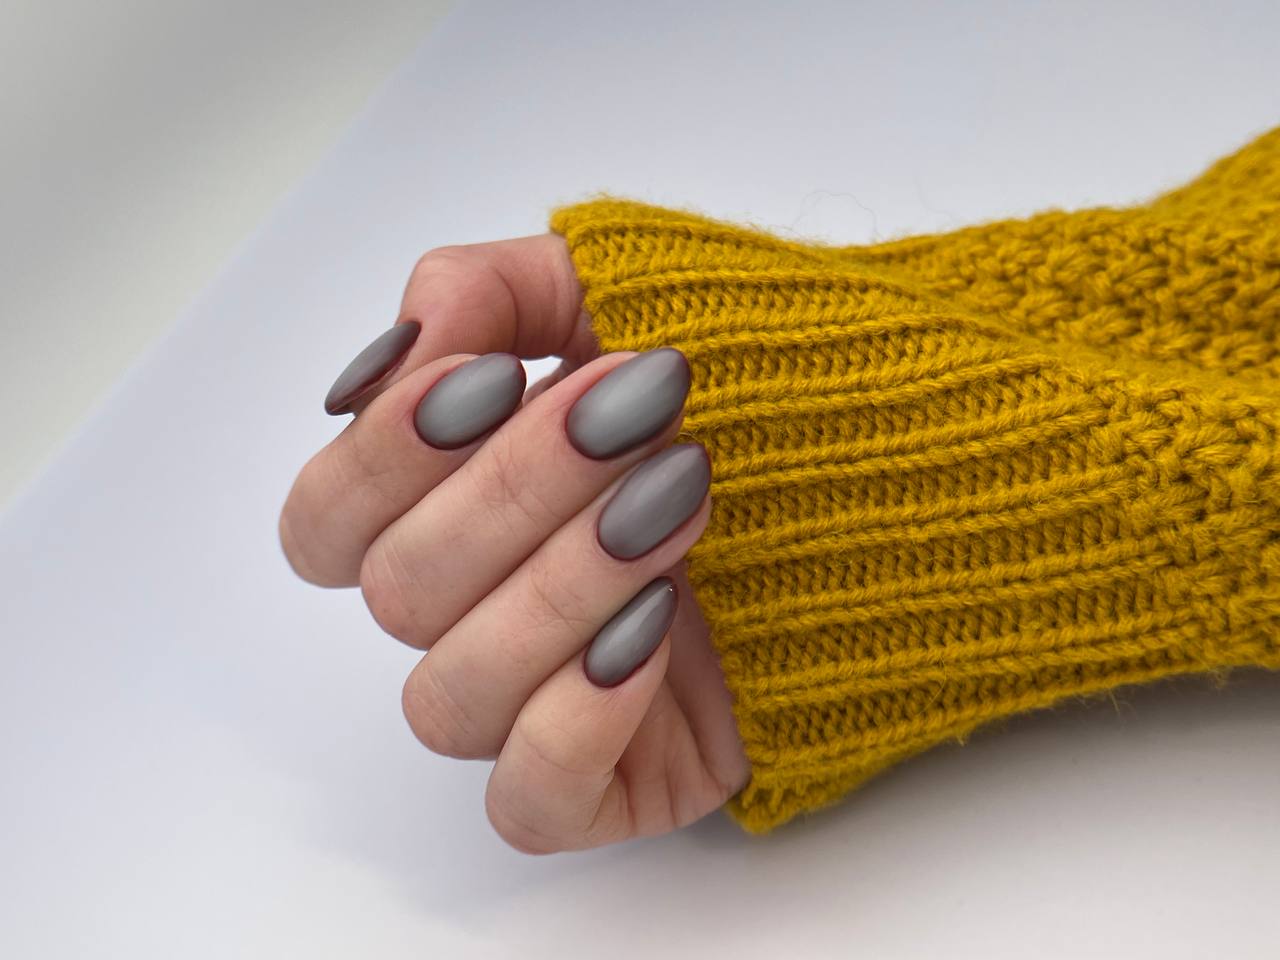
(487, 557)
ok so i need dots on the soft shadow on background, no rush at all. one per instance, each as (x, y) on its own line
(144, 139)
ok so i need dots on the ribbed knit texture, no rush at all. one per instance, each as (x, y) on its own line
(961, 476)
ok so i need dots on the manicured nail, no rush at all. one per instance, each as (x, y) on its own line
(471, 400)
(632, 635)
(371, 365)
(632, 403)
(659, 495)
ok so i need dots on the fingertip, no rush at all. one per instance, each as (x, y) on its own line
(371, 367)
(520, 295)
(632, 635)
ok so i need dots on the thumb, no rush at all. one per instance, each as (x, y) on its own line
(511, 296)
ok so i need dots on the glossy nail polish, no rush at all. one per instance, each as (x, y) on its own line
(370, 365)
(635, 631)
(630, 404)
(659, 495)
(470, 400)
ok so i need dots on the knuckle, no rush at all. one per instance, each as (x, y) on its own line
(502, 488)
(362, 467)
(459, 268)
(553, 799)
(614, 820)
(294, 552)
(496, 486)
(298, 537)
(438, 260)
(387, 593)
(551, 600)
(438, 720)
(463, 283)
(553, 743)
(449, 256)
(512, 826)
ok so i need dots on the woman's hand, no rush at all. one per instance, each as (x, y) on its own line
(489, 550)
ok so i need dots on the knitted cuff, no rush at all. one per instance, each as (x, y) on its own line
(962, 476)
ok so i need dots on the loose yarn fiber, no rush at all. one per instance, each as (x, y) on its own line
(962, 476)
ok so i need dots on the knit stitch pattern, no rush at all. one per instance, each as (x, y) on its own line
(961, 476)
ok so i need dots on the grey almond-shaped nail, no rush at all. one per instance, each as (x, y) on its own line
(471, 400)
(659, 495)
(635, 631)
(630, 404)
(371, 365)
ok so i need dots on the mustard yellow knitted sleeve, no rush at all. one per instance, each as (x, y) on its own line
(961, 476)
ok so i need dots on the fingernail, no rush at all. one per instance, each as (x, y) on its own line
(630, 404)
(471, 400)
(371, 365)
(632, 635)
(659, 495)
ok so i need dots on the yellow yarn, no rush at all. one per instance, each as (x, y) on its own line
(962, 476)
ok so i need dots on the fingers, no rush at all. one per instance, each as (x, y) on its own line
(512, 295)
(369, 475)
(371, 365)
(426, 570)
(555, 785)
(515, 296)
(463, 698)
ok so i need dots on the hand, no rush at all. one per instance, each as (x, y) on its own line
(488, 552)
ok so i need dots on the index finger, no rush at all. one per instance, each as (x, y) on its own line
(516, 296)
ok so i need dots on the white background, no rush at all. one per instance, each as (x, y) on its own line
(204, 757)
